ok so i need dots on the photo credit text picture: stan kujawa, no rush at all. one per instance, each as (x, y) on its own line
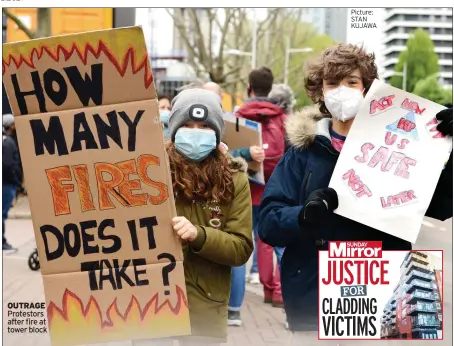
(99, 186)
(391, 162)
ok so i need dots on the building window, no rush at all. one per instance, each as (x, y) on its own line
(410, 17)
(397, 42)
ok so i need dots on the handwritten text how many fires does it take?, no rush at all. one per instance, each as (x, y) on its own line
(74, 238)
(385, 159)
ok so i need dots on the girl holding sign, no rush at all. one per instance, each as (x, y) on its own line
(214, 210)
(297, 206)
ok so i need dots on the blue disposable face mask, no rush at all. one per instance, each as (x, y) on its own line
(164, 115)
(195, 144)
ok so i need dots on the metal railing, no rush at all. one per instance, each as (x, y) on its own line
(421, 295)
(415, 264)
(421, 308)
(419, 322)
(418, 283)
(416, 272)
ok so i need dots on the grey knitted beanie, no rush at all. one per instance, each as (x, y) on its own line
(197, 105)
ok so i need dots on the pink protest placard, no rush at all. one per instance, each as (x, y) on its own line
(391, 162)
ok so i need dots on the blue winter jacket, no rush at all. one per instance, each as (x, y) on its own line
(307, 166)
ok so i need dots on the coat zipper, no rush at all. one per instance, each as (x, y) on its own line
(306, 184)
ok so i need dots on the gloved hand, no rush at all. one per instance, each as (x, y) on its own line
(445, 116)
(319, 204)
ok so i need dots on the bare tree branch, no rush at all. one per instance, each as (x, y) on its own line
(18, 22)
(232, 71)
(210, 36)
(181, 27)
(229, 13)
(242, 80)
(199, 38)
(44, 28)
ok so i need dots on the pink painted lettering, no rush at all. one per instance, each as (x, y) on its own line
(393, 159)
(397, 200)
(365, 191)
(432, 127)
(403, 143)
(412, 106)
(356, 185)
(402, 169)
(364, 149)
(388, 160)
(382, 104)
(380, 156)
(405, 125)
(390, 139)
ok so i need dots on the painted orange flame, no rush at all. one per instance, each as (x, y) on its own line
(75, 324)
(129, 59)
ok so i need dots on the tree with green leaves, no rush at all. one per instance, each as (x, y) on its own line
(421, 60)
(430, 89)
(271, 47)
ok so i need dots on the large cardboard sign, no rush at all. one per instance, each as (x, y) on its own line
(391, 162)
(244, 133)
(99, 186)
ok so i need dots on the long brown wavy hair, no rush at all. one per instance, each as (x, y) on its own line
(209, 180)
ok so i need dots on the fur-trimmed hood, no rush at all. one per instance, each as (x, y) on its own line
(304, 125)
(238, 164)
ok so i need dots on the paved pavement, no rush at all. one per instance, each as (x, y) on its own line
(21, 209)
(263, 324)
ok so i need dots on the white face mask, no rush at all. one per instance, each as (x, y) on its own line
(343, 103)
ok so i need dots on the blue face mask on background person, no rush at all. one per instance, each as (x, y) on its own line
(195, 144)
(164, 116)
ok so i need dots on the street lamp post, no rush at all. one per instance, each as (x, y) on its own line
(289, 51)
(252, 54)
(254, 44)
(404, 77)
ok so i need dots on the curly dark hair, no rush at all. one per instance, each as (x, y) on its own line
(209, 180)
(336, 63)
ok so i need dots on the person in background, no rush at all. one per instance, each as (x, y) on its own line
(260, 108)
(214, 87)
(284, 97)
(6, 107)
(297, 206)
(11, 181)
(10, 128)
(214, 211)
(164, 102)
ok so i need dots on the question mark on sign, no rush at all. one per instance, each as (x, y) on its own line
(167, 269)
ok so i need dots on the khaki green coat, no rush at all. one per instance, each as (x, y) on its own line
(224, 241)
